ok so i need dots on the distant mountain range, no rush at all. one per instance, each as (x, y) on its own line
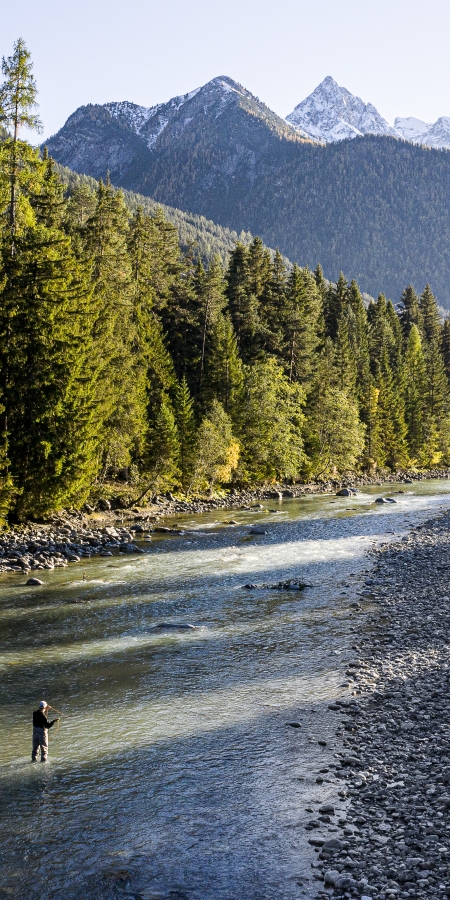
(377, 207)
(331, 113)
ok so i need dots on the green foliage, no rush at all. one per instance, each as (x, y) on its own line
(122, 352)
(185, 421)
(217, 451)
(269, 424)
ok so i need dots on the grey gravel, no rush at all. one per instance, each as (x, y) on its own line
(395, 758)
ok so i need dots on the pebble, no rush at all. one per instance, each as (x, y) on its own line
(394, 760)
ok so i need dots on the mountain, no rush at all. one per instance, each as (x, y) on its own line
(374, 206)
(131, 141)
(331, 113)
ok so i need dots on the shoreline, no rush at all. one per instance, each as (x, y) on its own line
(392, 837)
(71, 536)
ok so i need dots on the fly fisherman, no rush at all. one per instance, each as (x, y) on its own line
(40, 731)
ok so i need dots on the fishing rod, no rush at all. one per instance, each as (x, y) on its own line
(57, 711)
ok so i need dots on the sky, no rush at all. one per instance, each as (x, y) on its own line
(393, 53)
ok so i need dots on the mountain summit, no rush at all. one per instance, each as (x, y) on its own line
(331, 113)
(130, 141)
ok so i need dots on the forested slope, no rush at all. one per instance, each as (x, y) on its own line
(376, 206)
(204, 236)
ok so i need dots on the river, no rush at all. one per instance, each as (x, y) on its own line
(174, 773)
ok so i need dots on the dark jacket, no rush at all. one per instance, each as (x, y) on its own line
(40, 720)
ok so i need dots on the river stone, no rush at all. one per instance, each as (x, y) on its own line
(334, 845)
(257, 531)
(331, 877)
(34, 582)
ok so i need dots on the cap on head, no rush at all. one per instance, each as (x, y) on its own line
(43, 704)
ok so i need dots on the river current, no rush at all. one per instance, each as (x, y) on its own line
(174, 774)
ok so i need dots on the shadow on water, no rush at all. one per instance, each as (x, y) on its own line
(175, 774)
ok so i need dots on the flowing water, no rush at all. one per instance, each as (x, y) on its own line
(174, 773)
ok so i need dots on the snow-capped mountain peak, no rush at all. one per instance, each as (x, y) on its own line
(150, 122)
(411, 129)
(332, 113)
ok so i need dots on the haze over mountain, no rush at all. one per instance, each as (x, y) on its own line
(331, 113)
(376, 207)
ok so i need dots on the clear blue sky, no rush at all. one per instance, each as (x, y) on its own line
(391, 52)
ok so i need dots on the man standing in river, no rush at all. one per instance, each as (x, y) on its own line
(40, 731)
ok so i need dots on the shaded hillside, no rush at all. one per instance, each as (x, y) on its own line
(376, 207)
(205, 236)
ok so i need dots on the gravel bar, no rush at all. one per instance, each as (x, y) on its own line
(393, 840)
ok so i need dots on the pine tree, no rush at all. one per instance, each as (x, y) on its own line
(301, 320)
(391, 420)
(211, 294)
(48, 377)
(185, 422)
(123, 400)
(80, 207)
(224, 367)
(334, 305)
(17, 108)
(270, 424)
(409, 313)
(415, 392)
(163, 454)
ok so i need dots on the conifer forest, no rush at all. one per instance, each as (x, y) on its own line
(129, 360)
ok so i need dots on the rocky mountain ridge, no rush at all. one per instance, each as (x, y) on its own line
(331, 113)
(376, 207)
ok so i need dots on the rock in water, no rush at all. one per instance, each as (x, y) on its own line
(34, 582)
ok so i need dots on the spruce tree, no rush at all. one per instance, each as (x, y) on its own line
(247, 273)
(391, 419)
(185, 422)
(211, 295)
(123, 402)
(445, 346)
(49, 379)
(272, 308)
(17, 108)
(335, 302)
(224, 367)
(430, 323)
(270, 424)
(163, 452)
(409, 313)
(415, 393)
(301, 321)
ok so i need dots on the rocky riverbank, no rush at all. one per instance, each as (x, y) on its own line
(387, 835)
(73, 535)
